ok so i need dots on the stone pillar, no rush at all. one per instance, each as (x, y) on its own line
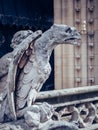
(84, 45)
(58, 49)
(96, 41)
(64, 54)
(68, 50)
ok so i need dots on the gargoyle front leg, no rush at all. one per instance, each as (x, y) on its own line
(31, 97)
(21, 113)
(21, 109)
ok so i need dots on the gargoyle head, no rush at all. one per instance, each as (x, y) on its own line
(19, 37)
(64, 34)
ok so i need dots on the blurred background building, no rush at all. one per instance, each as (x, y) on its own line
(72, 66)
(77, 65)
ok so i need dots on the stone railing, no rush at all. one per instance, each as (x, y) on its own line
(78, 105)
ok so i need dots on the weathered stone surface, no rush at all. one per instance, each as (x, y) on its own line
(22, 74)
(18, 125)
(54, 125)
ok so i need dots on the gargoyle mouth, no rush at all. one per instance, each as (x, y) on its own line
(73, 39)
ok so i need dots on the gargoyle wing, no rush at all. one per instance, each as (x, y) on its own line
(18, 58)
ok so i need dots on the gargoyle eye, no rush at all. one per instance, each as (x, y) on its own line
(68, 30)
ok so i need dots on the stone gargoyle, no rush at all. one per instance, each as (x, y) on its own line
(24, 70)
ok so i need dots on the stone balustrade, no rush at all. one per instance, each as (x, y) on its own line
(78, 105)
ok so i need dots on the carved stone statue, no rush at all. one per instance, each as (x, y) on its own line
(24, 70)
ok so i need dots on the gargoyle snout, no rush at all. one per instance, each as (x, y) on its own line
(75, 33)
(78, 35)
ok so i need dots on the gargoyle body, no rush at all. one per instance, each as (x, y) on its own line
(28, 67)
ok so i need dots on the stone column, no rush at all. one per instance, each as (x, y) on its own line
(68, 50)
(84, 45)
(64, 54)
(57, 51)
(96, 40)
